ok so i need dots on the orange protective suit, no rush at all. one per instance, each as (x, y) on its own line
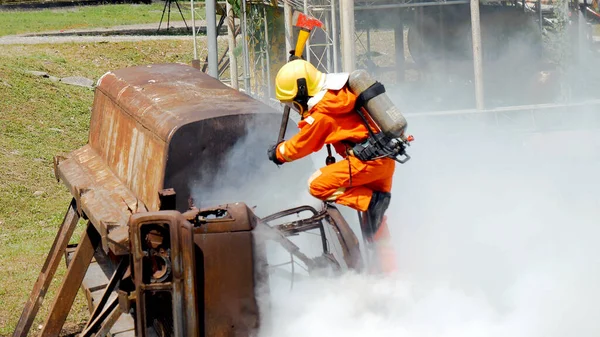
(350, 182)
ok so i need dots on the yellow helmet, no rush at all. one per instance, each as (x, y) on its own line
(286, 81)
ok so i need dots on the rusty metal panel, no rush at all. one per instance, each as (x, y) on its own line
(104, 199)
(198, 151)
(163, 269)
(228, 280)
(139, 110)
(224, 218)
(133, 152)
(188, 262)
(164, 97)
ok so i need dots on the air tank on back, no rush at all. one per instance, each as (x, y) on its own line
(381, 109)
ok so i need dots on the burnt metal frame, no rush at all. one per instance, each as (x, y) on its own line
(63, 301)
(352, 256)
(177, 226)
(303, 225)
(100, 313)
(107, 311)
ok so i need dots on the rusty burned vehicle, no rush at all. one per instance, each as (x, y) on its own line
(159, 255)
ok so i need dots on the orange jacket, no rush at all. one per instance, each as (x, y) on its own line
(330, 121)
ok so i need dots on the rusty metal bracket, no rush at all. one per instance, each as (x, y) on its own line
(167, 198)
(47, 273)
(79, 192)
(126, 300)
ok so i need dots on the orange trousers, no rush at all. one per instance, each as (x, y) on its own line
(333, 182)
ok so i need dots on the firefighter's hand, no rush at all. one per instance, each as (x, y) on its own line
(294, 57)
(272, 153)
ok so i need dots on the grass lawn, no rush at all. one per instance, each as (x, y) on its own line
(38, 120)
(17, 22)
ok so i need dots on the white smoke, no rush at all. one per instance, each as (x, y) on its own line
(495, 237)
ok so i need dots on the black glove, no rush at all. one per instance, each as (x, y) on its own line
(272, 153)
(294, 57)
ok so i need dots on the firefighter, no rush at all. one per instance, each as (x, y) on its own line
(326, 107)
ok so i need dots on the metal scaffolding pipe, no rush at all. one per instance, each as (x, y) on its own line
(307, 46)
(245, 47)
(334, 40)
(477, 54)
(194, 30)
(211, 34)
(540, 15)
(347, 23)
(289, 35)
(233, 71)
(267, 56)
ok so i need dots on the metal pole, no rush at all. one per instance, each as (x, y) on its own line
(328, 45)
(540, 17)
(233, 71)
(368, 43)
(263, 70)
(266, 44)
(287, 16)
(211, 34)
(194, 31)
(307, 47)
(477, 62)
(245, 47)
(347, 21)
(334, 37)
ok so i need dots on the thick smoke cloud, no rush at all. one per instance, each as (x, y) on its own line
(496, 234)
(494, 237)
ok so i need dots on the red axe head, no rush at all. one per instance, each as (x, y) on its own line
(306, 22)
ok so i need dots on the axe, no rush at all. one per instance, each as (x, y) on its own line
(306, 24)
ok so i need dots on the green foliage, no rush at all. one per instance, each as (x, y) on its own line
(236, 6)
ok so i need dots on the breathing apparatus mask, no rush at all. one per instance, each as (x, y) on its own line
(300, 102)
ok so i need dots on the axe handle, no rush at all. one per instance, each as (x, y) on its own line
(284, 122)
(302, 38)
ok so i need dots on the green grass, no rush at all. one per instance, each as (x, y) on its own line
(18, 22)
(38, 120)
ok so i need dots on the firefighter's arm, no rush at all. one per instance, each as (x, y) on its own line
(311, 138)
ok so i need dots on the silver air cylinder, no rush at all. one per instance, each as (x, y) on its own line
(381, 109)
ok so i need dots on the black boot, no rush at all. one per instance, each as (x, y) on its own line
(374, 215)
